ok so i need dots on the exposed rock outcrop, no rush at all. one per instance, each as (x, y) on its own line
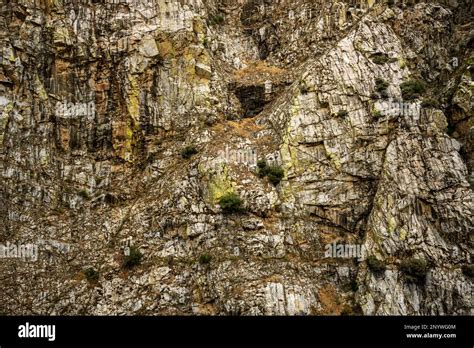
(123, 125)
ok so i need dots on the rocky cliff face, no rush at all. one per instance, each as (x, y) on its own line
(130, 133)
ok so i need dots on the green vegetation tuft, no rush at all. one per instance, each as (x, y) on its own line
(412, 89)
(205, 259)
(189, 151)
(380, 58)
(133, 258)
(376, 265)
(216, 20)
(84, 194)
(231, 203)
(430, 103)
(377, 114)
(468, 270)
(274, 173)
(381, 87)
(415, 270)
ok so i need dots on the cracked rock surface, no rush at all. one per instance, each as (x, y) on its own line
(123, 125)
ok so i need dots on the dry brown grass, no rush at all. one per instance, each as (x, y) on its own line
(257, 70)
(244, 128)
(330, 301)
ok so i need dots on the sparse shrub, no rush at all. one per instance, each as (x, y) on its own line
(324, 104)
(91, 274)
(262, 168)
(217, 20)
(384, 94)
(342, 113)
(377, 114)
(430, 103)
(412, 89)
(468, 270)
(205, 259)
(133, 258)
(381, 85)
(353, 286)
(189, 151)
(380, 58)
(415, 270)
(274, 173)
(231, 203)
(376, 265)
(84, 194)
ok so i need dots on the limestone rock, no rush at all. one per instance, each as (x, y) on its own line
(126, 129)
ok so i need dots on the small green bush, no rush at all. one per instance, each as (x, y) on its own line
(189, 151)
(376, 265)
(342, 113)
(217, 20)
(262, 168)
(381, 85)
(415, 270)
(430, 103)
(91, 274)
(380, 58)
(377, 114)
(231, 203)
(205, 259)
(412, 89)
(133, 258)
(274, 173)
(85, 194)
(468, 270)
